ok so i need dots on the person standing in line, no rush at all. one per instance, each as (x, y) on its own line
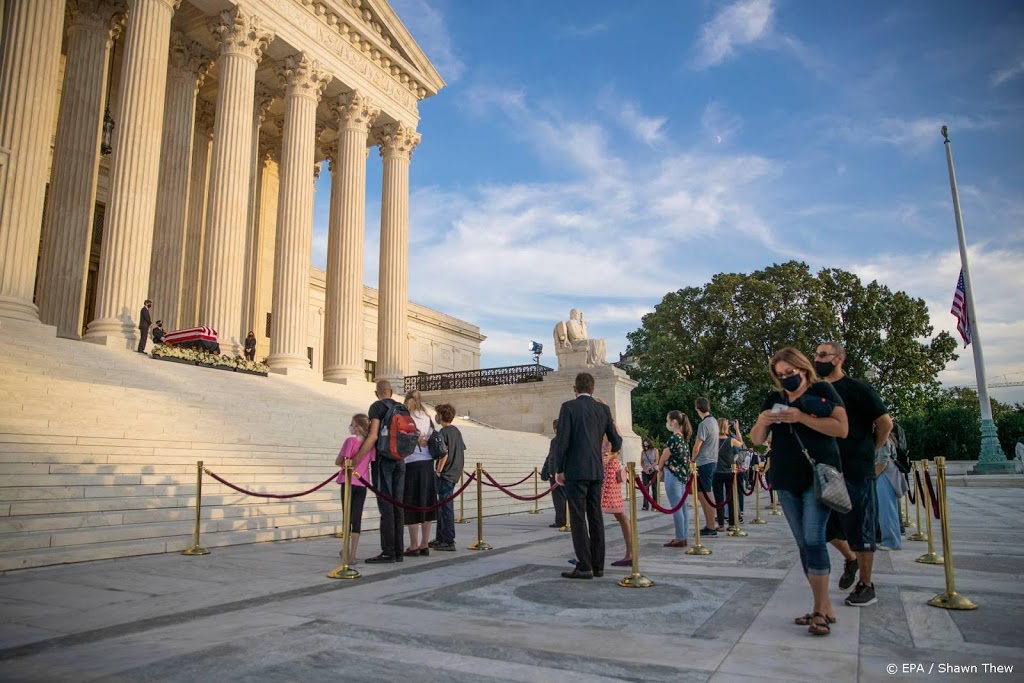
(793, 430)
(649, 471)
(727, 445)
(388, 476)
(420, 480)
(358, 429)
(674, 470)
(870, 425)
(579, 468)
(448, 469)
(250, 346)
(705, 447)
(890, 486)
(547, 473)
(611, 499)
(145, 322)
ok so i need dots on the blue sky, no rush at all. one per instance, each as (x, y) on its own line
(599, 154)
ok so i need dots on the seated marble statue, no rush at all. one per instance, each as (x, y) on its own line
(572, 345)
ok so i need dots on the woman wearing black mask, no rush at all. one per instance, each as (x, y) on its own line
(803, 413)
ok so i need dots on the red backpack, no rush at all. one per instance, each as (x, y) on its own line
(398, 433)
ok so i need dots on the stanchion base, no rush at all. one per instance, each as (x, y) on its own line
(461, 521)
(951, 601)
(758, 520)
(340, 534)
(481, 545)
(565, 529)
(909, 525)
(195, 550)
(930, 558)
(698, 550)
(638, 581)
(775, 513)
(737, 533)
(343, 572)
(918, 537)
(534, 512)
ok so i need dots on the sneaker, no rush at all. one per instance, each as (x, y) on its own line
(706, 531)
(849, 574)
(862, 596)
(434, 544)
(446, 547)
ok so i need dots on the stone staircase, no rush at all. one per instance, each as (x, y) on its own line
(98, 452)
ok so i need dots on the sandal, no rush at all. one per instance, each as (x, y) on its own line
(808, 618)
(819, 629)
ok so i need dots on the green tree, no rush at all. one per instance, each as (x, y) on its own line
(716, 340)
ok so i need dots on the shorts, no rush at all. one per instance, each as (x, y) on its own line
(857, 527)
(706, 476)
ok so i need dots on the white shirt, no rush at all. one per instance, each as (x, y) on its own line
(423, 424)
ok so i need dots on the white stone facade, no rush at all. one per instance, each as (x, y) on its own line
(223, 110)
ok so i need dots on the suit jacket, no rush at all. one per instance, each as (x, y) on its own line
(144, 320)
(578, 442)
(547, 472)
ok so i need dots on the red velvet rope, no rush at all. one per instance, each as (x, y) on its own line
(917, 478)
(765, 486)
(654, 504)
(910, 489)
(417, 508)
(497, 485)
(505, 490)
(931, 492)
(728, 497)
(752, 481)
(333, 477)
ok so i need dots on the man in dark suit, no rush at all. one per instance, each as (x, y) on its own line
(579, 468)
(144, 322)
(547, 473)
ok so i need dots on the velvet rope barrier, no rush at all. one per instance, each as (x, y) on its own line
(508, 493)
(910, 489)
(652, 503)
(752, 481)
(416, 508)
(935, 496)
(495, 484)
(765, 486)
(917, 478)
(333, 477)
(719, 506)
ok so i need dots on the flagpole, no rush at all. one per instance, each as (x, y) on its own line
(991, 460)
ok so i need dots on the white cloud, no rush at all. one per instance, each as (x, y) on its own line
(427, 25)
(912, 134)
(740, 24)
(588, 31)
(645, 128)
(719, 124)
(1008, 73)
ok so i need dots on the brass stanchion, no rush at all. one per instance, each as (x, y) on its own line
(775, 504)
(480, 544)
(920, 535)
(195, 548)
(345, 571)
(697, 548)
(929, 557)
(904, 502)
(635, 579)
(462, 505)
(758, 519)
(734, 528)
(536, 494)
(950, 599)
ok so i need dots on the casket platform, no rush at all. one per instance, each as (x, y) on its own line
(193, 337)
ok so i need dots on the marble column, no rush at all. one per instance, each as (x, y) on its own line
(242, 41)
(397, 141)
(128, 222)
(29, 63)
(268, 187)
(67, 235)
(304, 80)
(186, 71)
(343, 326)
(264, 97)
(198, 193)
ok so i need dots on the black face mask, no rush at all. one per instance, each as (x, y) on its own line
(823, 369)
(792, 383)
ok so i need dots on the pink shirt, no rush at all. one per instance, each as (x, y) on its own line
(349, 449)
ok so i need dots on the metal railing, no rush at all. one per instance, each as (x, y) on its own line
(485, 377)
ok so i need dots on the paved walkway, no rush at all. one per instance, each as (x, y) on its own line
(266, 612)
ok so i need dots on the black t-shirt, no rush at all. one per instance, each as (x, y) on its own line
(790, 469)
(379, 410)
(726, 455)
(863, 407)
(456, 454)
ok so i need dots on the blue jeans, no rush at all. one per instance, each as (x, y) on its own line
(446, 513)
(807, 518)
(674, 491)
(888, 514)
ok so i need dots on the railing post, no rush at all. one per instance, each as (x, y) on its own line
(197, 549)
(345, 571)
(635, 579)
(536, 494)
(480, 544)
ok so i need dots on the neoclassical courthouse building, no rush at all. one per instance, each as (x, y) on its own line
(169, 149)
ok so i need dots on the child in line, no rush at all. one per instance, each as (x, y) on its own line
(359, 427)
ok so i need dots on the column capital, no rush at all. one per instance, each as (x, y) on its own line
(303, 77)
(355, 111)
(269, 150)
(205, 116)
(241, 33)
(189, 58)
(263, 96)
(100, 15)
(396, 140)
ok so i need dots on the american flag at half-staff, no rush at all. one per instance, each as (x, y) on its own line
(959, 309)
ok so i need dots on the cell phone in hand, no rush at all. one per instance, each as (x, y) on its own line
(779, 407)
